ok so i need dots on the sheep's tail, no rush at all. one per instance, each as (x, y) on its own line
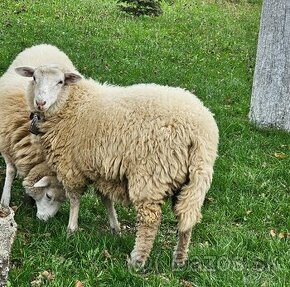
(191, 197)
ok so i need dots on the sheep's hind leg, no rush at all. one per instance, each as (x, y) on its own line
(74, 199)
(10, 174)
(181, 249)
(186, 220)
(113, 218)
(148, 221)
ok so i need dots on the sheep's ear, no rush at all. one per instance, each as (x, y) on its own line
(44, 182)
(25, 71)
(71, 78)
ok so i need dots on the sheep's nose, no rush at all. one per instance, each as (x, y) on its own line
(40, 103)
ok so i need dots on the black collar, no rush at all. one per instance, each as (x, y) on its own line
(35, 117)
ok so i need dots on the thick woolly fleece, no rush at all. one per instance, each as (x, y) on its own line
(16, 142)
(24, 150)
(140, 143)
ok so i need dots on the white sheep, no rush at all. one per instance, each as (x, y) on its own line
(141, 143)
(21, 151)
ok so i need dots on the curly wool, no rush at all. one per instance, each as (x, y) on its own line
(20, 149)
(16, 142)
(151, 140)
(24, 150)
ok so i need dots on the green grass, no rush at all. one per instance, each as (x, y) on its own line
(207, 47)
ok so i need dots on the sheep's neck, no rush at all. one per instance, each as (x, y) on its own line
(35, 118)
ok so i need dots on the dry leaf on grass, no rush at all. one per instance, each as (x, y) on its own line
(79, 284)
(41, 278)
(284, 235)
(280, 235)
(36, 283)
(48, 275)
(273, 232)
(185, 283)
(280, 155)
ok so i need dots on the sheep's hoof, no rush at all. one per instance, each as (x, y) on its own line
(178, 263)
(116, 230)
(71, 231)
(136, 263)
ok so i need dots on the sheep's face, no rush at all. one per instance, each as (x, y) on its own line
(48, 195)
(47, 85)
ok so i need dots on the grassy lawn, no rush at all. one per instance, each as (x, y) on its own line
(207, 47)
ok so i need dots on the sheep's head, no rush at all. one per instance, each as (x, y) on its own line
(48, 85)
(48, 194)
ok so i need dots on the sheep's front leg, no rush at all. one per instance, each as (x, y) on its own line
(74, 199)
(113, 218)
(148, 221)
(10, 174)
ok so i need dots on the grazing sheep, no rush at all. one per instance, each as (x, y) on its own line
(22, 151)
(19, 149)
(141, 143)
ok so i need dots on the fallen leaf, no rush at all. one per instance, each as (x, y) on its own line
(36, 283)
(248, 212)
(280, 155)
(273, 232)
(186, 283)
(79, 284)
(284, 235)
(41, 278)
(48, 275)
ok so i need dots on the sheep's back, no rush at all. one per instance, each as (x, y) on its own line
(111, 132)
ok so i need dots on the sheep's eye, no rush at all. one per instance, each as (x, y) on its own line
(33, 78)
(48, 196)
(60, 83)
